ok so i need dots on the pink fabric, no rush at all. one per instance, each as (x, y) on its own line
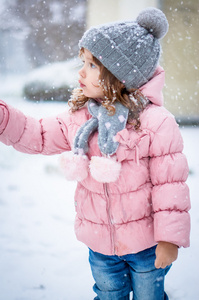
(1, 115)
(4, 116)
(150, 200)
(153, 88)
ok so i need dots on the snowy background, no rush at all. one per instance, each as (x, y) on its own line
(40, 257)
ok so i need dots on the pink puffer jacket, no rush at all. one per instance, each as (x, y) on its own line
(150, 200)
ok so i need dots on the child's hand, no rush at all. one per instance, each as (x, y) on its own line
(166, 253)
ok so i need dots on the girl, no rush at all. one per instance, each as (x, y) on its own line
(131, 200)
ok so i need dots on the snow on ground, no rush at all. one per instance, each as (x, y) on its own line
(40, 257)
(56, 74)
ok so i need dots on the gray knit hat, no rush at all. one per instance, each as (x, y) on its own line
(129, 50)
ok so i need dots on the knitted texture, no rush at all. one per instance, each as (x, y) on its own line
(76, 165)
(107, 126)
(129, 50)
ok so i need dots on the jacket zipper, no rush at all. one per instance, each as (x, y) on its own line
(109, 217)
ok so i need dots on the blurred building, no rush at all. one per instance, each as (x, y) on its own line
(180, 57)
(36, 33)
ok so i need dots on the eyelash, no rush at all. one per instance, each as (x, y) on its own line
(90, 64)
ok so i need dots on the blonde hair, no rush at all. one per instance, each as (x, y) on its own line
(113, 90)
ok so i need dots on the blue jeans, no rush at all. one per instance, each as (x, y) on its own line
(116, 276)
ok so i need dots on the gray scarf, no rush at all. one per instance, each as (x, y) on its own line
(76, 165)
(107, 126)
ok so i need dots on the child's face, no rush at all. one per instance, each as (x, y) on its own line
(89, 76)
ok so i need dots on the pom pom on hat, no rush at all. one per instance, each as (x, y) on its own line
(130, 50)
(154, 21)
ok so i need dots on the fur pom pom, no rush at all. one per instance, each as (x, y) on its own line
(104, 169)
(75, 167)
(154, 20)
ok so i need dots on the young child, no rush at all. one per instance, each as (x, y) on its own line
(131, 200)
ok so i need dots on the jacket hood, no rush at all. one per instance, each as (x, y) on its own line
(153, 88)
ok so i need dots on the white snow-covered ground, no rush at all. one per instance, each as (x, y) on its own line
(40, 257)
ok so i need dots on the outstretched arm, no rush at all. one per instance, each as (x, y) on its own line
(1, 115)
(46, 136)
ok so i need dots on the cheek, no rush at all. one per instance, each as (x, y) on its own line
(95, 79)
(95, 83)
(97, 89)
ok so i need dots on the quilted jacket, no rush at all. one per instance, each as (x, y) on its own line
(150, 200)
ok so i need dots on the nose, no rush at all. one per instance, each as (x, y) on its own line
(82, 72)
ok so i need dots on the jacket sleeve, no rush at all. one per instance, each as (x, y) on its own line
(170, 195)
(46, 136)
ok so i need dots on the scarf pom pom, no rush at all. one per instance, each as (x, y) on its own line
(104, 169)
(75, 167)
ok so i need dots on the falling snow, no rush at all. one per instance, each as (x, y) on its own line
(40, 256)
